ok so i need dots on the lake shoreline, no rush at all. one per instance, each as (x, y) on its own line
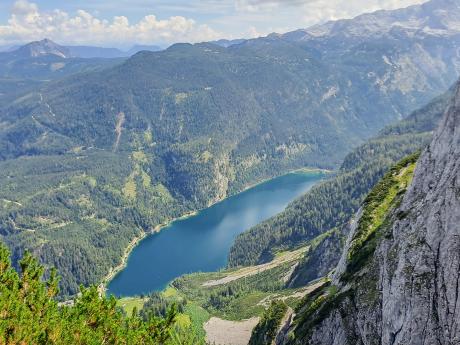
(138, 239)
(132, 245)
(296, 171)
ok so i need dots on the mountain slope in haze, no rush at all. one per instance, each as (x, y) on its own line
(46, 60)
(25, 68)
(47, 47)
(94, 160)
(142, 47)
(412, 63)
(397, 281)
(89, 52)
(227, 43)
(44, 47)
(6, 48)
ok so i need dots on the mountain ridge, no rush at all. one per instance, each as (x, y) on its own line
(439, 17)
(46, 47)
(41, 48)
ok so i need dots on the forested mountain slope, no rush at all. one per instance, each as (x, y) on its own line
(93, 160)
(326, 208)
(397, 281)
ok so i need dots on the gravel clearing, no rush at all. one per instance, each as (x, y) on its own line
(224, 332)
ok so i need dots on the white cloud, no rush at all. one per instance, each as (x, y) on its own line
(253, 33)
(27, 23)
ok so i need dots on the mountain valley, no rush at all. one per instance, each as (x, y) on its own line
(103, 147)
(195, 123)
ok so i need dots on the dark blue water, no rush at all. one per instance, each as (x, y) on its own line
(202, 242)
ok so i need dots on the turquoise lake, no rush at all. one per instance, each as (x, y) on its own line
(202, 242)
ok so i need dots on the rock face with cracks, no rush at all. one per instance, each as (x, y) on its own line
(407, 290)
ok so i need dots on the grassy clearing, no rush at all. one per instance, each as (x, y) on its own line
(170, 292)
(198, 317)
(183, 321)
(129, 189)
(129, 303)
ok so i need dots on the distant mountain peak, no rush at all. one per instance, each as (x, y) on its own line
(43, 48)
(435, 17)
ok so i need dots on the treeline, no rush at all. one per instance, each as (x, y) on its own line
(159, 306)
(332, 203)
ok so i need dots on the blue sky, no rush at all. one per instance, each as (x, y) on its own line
(125, 22)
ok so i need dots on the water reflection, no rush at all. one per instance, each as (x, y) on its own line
(202, 242)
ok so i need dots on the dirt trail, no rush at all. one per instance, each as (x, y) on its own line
(118, 129)
(253, 270)
(298, 294)
(224, 332)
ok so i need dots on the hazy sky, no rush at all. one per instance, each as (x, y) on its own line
(124, 22)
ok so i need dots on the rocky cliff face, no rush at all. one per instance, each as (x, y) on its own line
(420, 294)
(398, 279)
(320, 258)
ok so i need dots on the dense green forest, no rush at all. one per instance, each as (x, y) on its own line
(331, 204)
